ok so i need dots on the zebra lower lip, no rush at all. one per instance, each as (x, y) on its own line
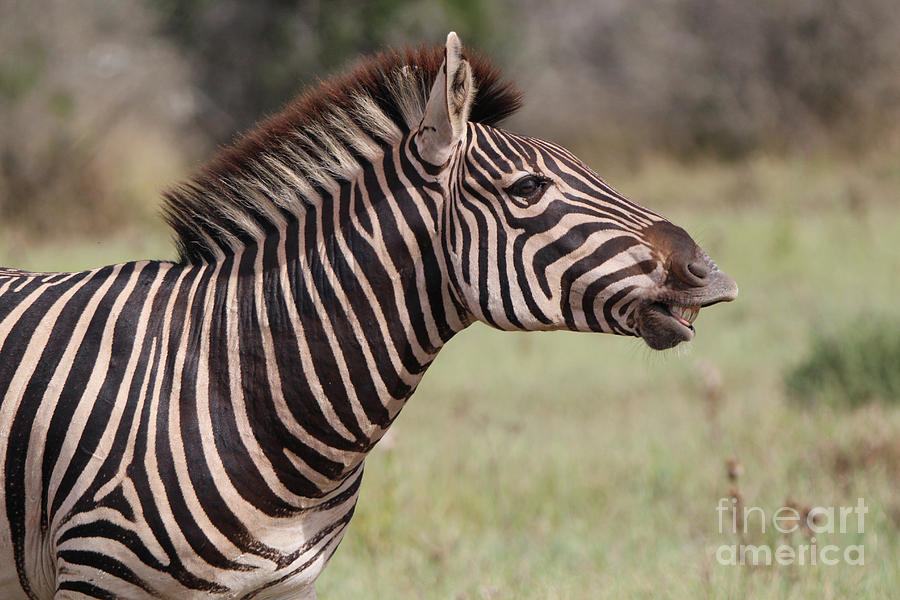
(663, 325)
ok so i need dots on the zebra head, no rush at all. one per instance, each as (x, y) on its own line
(536, 240)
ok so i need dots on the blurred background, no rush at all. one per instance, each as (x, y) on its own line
(551, 465)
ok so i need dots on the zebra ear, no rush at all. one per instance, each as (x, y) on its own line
(448, 106)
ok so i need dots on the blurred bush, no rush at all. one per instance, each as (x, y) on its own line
(850, 365)
(726, 79)
(681, 78)
(93, 115)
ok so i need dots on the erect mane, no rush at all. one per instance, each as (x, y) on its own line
(321, 138)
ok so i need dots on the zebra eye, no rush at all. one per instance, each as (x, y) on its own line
(530, 187)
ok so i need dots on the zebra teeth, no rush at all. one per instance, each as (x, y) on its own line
(684, 314)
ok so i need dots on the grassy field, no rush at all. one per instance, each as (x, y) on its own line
(563, 465)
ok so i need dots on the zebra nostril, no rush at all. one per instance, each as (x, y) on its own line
(698, 269)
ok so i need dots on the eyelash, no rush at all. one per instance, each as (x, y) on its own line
(540, 181)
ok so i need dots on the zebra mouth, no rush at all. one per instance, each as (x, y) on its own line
(666, 317)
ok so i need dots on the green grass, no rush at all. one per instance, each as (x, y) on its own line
(850, 364)
(585, 466)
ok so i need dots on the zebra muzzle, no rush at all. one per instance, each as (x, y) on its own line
(667, 318)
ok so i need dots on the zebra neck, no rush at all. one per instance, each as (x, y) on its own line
(336, 320)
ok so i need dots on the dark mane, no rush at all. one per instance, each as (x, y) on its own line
(261, 182)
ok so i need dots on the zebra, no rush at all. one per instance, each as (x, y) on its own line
(197, 428)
